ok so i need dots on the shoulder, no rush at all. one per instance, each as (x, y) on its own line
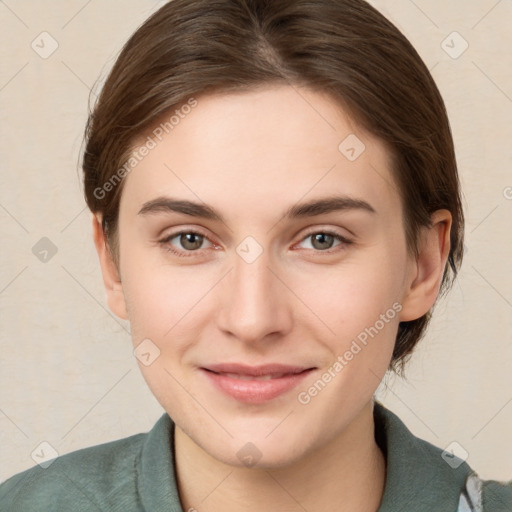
(86, 479)
(496, 496)
(434, 479)
(485, 495)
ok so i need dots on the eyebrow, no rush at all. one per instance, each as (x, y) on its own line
(301, 210)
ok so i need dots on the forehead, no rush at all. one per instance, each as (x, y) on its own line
(250, 152)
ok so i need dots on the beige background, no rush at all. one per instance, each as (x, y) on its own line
(68, 374)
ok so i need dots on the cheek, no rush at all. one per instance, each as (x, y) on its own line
(360, 303)
(351, 296)
(156, 299)
(163, 300)
(361, 306)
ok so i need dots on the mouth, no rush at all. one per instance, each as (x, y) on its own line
(272, 370)
(255, 384)
(252, 377)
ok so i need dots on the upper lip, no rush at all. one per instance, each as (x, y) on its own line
(256, 371)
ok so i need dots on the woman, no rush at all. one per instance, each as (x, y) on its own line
(276, 208)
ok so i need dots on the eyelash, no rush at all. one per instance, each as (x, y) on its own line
(183, 254)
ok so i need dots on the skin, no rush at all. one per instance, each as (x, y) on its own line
(251, 156)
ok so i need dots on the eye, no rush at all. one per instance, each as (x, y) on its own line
(322, 241)
(190, 241)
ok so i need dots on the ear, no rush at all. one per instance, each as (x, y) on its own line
(426, 272)
(111, 275)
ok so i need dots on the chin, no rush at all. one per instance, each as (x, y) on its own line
(256, 451)
(249, 456)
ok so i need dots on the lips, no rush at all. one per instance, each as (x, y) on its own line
(267, 371)
(255, 384)
(252, 377)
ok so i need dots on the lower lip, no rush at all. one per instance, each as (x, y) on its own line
(255, 391)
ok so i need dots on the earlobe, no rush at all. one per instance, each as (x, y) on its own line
(111, 276)
(424, 280)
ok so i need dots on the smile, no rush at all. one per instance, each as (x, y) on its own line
(255, 389)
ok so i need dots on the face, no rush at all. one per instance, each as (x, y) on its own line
(253, 276)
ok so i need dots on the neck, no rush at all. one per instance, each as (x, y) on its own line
(346, 474)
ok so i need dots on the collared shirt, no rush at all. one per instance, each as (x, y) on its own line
(138, 474)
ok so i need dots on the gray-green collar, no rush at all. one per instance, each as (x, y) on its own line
(417, 478)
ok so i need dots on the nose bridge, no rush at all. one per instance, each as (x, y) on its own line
(252, 305)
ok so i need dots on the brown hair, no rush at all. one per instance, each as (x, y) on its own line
(343, 47)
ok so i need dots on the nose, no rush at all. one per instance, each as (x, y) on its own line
(254, 303)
